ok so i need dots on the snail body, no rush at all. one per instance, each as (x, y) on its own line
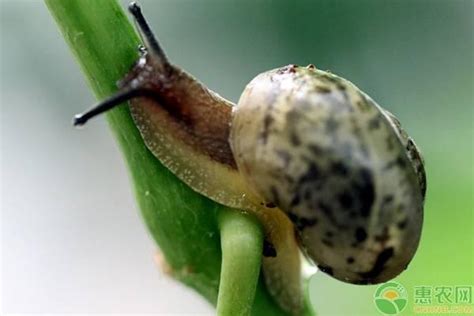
(304, 150)
(186, 126)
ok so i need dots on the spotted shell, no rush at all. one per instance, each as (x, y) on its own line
(339, 165)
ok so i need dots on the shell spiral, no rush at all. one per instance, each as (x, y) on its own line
(338, 165)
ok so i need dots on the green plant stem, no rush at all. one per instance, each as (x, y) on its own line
(241, 242)
(182, 222)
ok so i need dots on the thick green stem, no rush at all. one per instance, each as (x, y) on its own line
(241, 243)
(183, 223)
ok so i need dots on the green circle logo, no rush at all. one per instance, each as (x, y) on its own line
(390, 298)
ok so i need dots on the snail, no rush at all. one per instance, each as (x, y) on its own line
(304, 150)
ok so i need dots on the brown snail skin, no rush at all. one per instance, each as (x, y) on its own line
(303, 150)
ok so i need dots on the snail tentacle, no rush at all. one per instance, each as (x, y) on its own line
(109, 103)
(151, 43)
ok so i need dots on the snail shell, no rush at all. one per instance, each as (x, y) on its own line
(341, 168)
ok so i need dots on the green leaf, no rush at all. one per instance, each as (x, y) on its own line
(183, 223)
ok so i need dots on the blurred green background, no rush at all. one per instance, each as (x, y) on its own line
(67, 209)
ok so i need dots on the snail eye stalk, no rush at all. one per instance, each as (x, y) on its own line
(107, 104)
(149, 40)
(150, 47)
